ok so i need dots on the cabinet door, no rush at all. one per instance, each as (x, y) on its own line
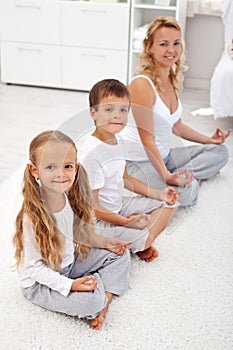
(30, 21)
(31, 64)
(82, 68)
(95, 25)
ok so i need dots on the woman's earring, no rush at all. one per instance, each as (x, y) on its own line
(38, 180)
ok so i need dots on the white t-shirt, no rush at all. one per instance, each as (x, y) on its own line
(163, 122)
(33, 269)
(105, 165)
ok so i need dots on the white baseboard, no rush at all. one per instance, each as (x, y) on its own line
(202, 84)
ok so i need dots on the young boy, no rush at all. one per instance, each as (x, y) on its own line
(138, 219)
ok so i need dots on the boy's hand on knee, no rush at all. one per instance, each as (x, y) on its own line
(84, 284)
(169, 195)
(139, 221)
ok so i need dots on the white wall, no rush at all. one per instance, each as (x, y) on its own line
(204, 38)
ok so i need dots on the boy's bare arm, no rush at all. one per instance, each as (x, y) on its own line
(134, 185)
(139, 221)
(105, 214)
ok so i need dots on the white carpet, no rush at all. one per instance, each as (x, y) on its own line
(184, 300)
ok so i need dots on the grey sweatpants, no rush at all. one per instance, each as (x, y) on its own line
(110, 270)
(131, 205)
(205, 161)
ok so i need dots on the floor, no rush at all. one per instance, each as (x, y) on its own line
(26, 111)
(181, 301)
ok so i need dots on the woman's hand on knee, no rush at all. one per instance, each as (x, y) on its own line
(220, 136)
(180, 178)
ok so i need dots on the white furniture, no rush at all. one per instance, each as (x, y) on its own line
(221, 85)
(30, 42)
(142, 13)
(94, 43)
(64, 44)
(73, 44)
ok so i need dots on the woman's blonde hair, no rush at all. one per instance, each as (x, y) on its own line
(48, 237)
(146, 58)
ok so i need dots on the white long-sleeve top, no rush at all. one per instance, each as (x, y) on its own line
(33, 269)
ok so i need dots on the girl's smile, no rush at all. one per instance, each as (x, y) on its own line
(56, 167)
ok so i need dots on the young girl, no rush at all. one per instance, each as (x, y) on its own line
(58, 265)
(157, 114)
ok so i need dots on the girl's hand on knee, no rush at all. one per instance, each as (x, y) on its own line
(116, 246)
(139, 221)
(84, 284)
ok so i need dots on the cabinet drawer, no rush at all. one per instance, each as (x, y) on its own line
(31, 64)
(95, 25)
(82, 68)
(31, 21)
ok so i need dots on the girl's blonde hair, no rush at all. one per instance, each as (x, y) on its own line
(146, 58)
(48, 237)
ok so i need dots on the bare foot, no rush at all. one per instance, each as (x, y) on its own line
(148, 254)
(96, 323)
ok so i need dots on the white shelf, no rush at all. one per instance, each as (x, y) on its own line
(154, 7)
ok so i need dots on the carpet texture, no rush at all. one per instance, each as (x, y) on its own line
(182, 300)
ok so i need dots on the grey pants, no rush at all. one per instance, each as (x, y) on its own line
(111, 271)
(131, 205)
(204, 161)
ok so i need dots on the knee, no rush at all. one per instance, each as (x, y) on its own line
(120, 259)
(125, 258)
(223, 153)
(96, 302)
(90, 304)
(189, 194)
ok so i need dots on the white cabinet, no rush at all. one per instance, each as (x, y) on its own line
(30, 42)
(142, 13)
(30, 21)
(94, 43)
(83, 67)
(99, 25)
(31, 64)
(62, 43)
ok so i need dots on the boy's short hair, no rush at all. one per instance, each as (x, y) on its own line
(105, 88)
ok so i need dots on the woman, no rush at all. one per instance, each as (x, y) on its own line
(157, 114)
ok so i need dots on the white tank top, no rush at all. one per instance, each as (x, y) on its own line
(163, 122)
